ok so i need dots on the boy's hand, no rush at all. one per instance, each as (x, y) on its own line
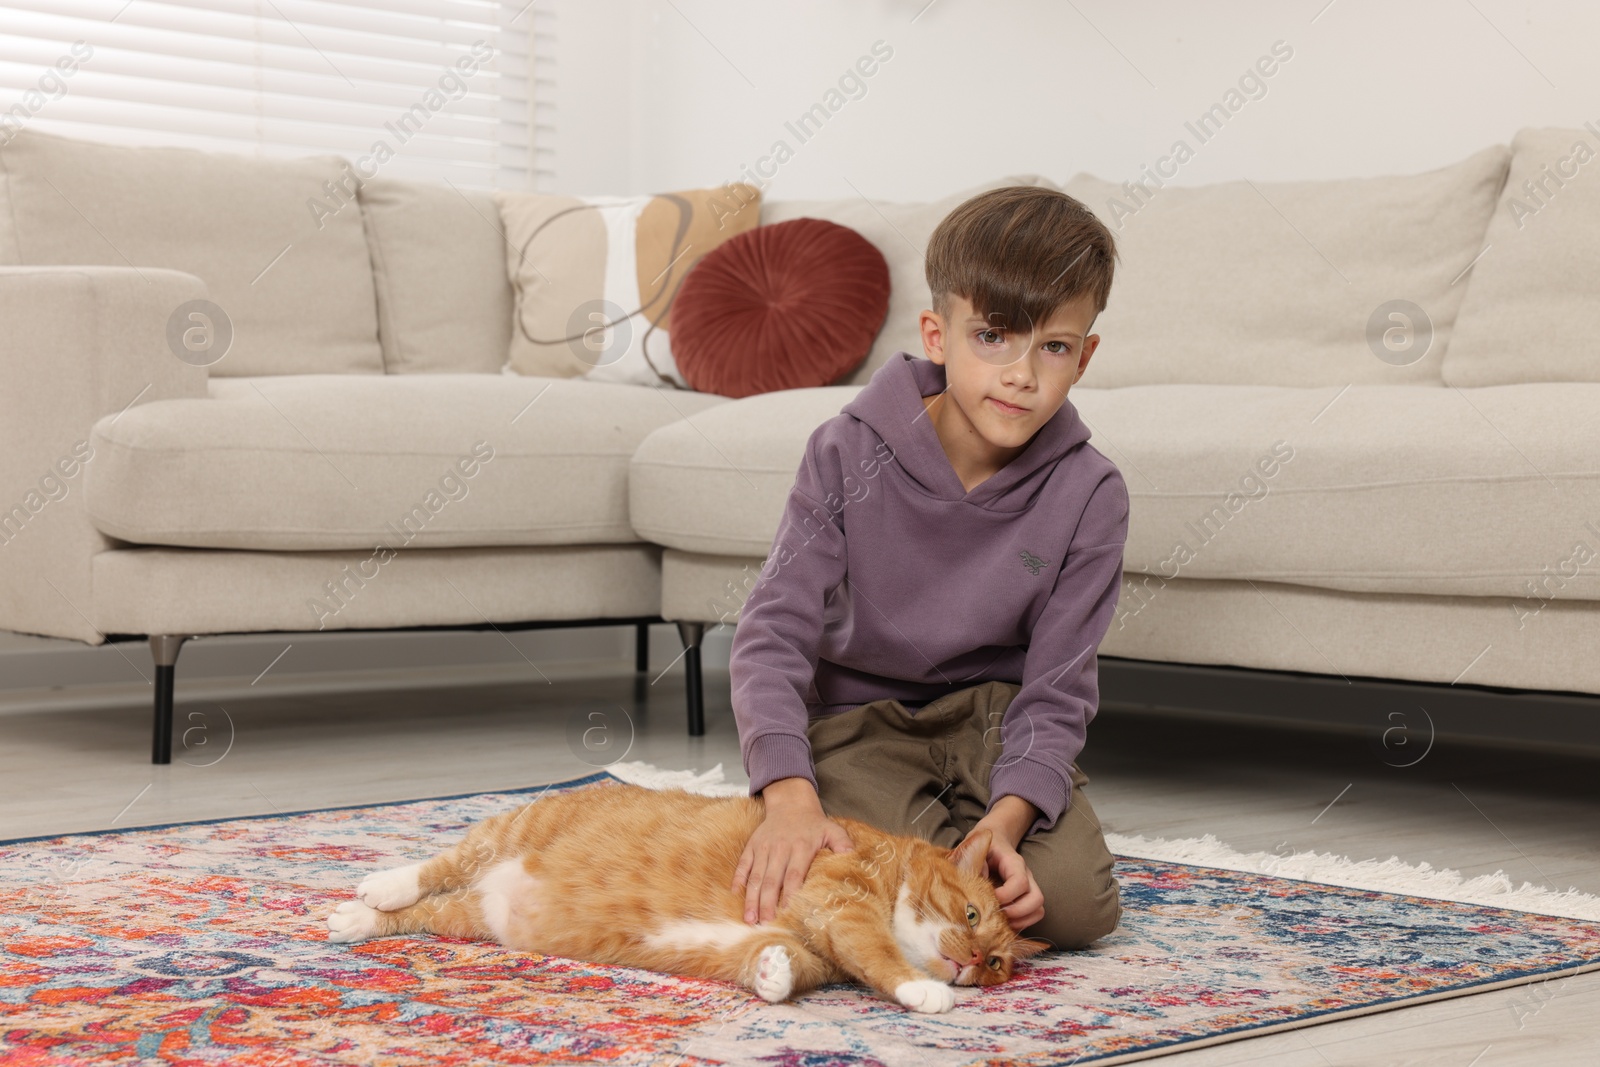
(780, 851)
(1021, 899)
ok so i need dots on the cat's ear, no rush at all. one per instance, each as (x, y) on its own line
(1026, 947)
(971, 855)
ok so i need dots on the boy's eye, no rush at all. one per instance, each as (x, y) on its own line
(998, 337)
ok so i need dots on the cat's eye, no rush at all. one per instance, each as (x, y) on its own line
(994, 961)
(972, 915)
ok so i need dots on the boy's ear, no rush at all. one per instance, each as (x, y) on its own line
(932, 328)
(1090, 343)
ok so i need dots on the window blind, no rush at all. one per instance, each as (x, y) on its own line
(422, 89)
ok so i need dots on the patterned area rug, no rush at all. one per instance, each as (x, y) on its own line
(206, 943)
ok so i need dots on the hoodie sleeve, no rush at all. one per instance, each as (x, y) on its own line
(1044, 726)
(773, 660)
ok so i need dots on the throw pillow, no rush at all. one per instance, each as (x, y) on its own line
(595, 277)
(787, 306)
(900, 230)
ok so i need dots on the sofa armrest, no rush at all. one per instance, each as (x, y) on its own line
(78, 344)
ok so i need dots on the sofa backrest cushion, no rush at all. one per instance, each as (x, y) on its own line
(1289, 283)
(279, 243)
(900, 230)
(1532, 309)
(439, 265)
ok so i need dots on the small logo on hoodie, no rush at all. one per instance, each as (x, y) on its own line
(1032, 562)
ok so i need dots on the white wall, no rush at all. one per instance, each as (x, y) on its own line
(656, 95)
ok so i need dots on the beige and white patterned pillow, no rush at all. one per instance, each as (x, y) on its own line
(595, 277)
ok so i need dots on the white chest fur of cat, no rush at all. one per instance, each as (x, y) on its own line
(621, 874)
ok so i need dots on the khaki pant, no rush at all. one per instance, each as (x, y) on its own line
(926, 775)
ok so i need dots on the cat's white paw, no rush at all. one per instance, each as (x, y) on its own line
(924, 994)
(391, 890)
(774, 977)
(352, 921)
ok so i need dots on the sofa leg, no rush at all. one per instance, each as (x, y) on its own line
(691, 633)
(164, 650)
(641, 647)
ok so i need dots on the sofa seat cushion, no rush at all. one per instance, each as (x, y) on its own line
(716, 482)
(318, 461)
(1368, 488)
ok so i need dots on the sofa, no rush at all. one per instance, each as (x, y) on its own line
(1359, 419)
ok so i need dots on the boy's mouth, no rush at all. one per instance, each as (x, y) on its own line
(1008, 409)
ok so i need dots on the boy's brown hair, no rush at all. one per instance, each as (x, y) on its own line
(1019, 252)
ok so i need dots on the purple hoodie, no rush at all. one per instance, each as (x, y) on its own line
(888, 579)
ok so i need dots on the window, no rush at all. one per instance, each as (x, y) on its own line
(443, 85)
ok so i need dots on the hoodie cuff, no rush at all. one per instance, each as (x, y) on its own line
(1039, 784)
(774, 756)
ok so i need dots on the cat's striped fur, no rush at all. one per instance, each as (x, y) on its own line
(621, 874)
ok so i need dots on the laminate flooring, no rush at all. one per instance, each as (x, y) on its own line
(1535, 816)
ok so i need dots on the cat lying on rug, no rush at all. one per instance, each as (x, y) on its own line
(621, 874)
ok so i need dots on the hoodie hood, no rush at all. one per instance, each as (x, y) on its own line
(891, 404)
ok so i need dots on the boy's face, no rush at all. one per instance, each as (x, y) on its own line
(987, 368)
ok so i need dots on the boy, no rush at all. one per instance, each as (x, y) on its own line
(919, 652)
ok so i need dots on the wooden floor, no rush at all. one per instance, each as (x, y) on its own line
(1537, 817)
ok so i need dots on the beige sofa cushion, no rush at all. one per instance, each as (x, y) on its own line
(439, 266)
(595, 277)
(1262, 482)
(1532, 310)
(900, 230)
(1277, 283)
(296, 284)
(687, 490)
(306, 462)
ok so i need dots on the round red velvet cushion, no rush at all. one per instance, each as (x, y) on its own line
(784, 306)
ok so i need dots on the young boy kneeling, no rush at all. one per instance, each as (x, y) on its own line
(920, 650)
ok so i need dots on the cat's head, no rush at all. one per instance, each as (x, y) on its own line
(948, 921)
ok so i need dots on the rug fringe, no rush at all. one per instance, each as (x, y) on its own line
(707, 783)
(1392, 875)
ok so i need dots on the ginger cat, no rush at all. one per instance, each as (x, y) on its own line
(621, 874)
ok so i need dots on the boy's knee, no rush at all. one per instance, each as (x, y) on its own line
(1079, 910)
